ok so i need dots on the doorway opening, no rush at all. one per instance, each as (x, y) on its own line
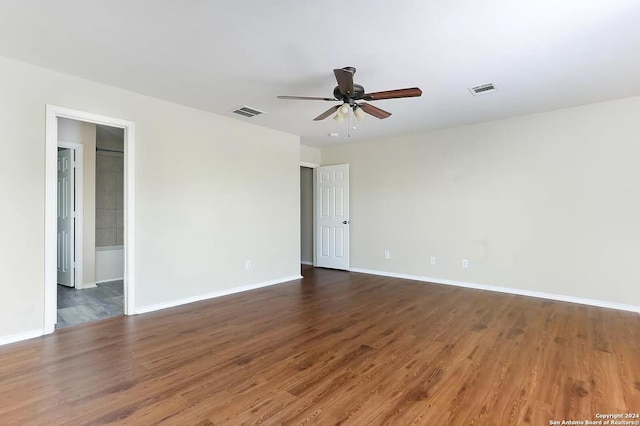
(89, 227)
(90, 235)
(306, 217)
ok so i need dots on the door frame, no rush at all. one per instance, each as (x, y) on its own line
(78, 191)
(53, 112)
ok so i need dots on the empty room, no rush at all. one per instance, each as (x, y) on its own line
(286, 212)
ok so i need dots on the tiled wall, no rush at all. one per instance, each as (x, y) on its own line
(109, 199)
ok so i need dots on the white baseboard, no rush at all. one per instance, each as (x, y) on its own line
(174, 303)
(88, 285)
(520, 292)
(303, 262)
(5, 340)
(109, 280)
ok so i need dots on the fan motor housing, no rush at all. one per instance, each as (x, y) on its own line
(358, 92)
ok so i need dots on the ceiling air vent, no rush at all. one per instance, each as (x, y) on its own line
(246, 111)
(481, 90)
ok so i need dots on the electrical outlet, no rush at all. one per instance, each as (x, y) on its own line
(387, 255)
(465, 263)
(432, 260)
(247, 265)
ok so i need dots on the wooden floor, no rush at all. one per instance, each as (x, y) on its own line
(334, 348)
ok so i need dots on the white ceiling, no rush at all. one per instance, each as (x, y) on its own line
(218, 55)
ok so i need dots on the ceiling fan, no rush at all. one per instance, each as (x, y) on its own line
(348, 93)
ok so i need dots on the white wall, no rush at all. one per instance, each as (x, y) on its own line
(310, 155)
(546, 202)
(211, 192)
(85, 133)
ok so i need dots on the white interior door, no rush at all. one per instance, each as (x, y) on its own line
(332, 216)
(66, 217)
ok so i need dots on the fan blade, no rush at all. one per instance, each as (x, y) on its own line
(307, 98)
(375, 111)
(345, 81)
(391, 94)
(327, 113)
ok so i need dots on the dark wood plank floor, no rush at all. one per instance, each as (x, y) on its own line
(334, 348)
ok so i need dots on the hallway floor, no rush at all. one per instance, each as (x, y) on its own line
(92, 304)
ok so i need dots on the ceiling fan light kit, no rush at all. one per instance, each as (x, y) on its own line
(349, 93)
(358, 113)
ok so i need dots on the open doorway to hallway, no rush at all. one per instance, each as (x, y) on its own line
(90, 206)
(306, 217)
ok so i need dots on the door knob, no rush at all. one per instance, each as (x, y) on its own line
(345, 222)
